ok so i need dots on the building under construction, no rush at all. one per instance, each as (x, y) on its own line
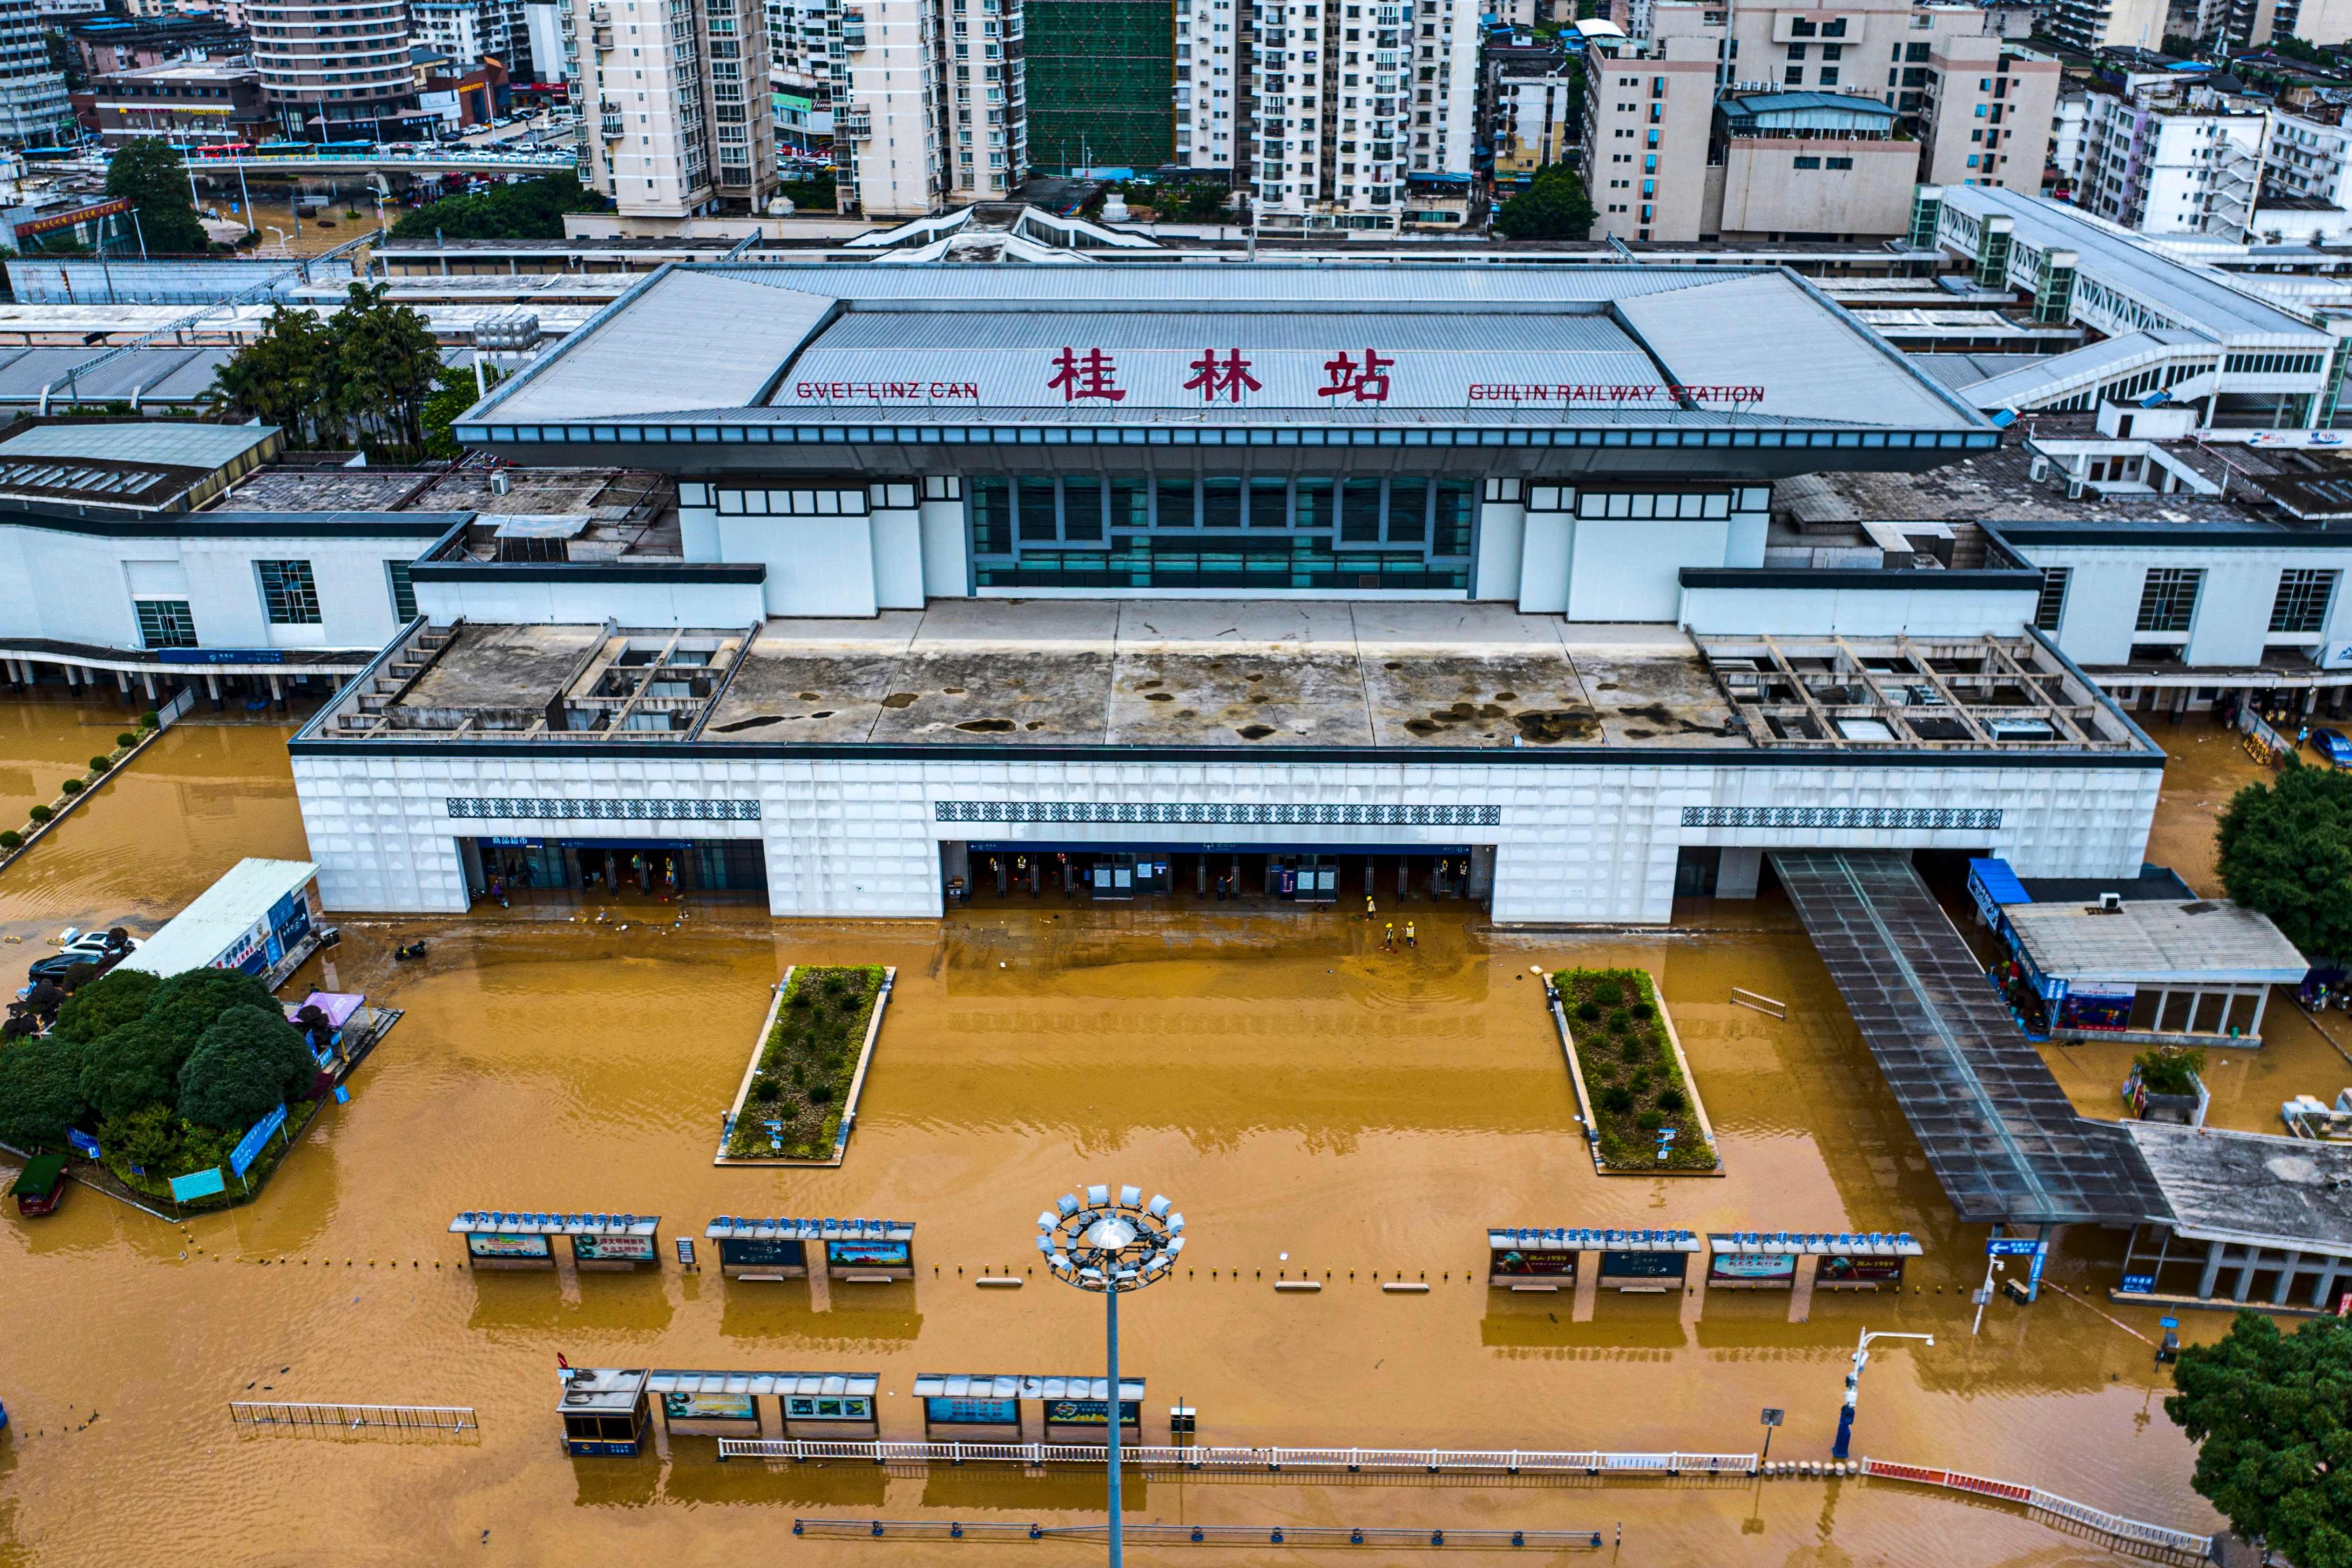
(1100, 77)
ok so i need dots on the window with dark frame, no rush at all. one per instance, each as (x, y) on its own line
(289, 596)
(2050, 605)
(2303, 596)
(2167, 599)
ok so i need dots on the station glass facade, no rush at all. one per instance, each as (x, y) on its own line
(1274, 532)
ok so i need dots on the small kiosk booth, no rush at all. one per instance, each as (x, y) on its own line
(993, 1407)
(339, 1026)
(858, 1250)
(604, 1412)
(496, 1238)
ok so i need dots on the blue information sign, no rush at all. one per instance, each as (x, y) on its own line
(2139, 1284)
(342, 1094)
(2168, 1322)
(198, 1184)
(82, 1142)
(248, 1148)
(2011, 1247)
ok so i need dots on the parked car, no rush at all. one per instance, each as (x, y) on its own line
(105, 949)
(2331, 744)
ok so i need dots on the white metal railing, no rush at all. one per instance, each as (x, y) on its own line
(1199, 1534)
(2114, 1526)
(354, 1418)
(1507, 1461)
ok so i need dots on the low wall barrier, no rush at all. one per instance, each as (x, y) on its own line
(1198, 1534)
(2134, 1532)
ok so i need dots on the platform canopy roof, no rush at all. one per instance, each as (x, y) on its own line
(1537, 1238)
(222, 916)
(772, 1229)
(1020, 1385)
(1182, 345)
(500, 1222)
(825, 1382)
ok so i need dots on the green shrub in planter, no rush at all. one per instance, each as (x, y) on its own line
(1620, 1021)
(1607, 995)
(1617, 1100)
(126, 739)
(10, 838)
(150, 720)
(2169, 1070)
(1587, 1012)
(820, 1094)
(1644, 1012)
(40, 814)
(1631, 1049)
(71, 786)
(100, 765)
(1649, 1121)
(1670, 1099)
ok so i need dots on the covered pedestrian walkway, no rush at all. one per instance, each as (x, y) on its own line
(1997, 1129)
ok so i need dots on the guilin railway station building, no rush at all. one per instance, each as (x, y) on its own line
(1289, 579)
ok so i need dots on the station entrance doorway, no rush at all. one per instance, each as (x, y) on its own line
(569, 872)
(1265, 876)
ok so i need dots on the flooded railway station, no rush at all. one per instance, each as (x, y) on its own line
(1470, 903)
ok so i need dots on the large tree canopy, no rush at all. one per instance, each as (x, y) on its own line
(1553, 207)
(150, 175)
(250, 1060)
(363, 375)
(40, 1091)
(2286, 850)
(2272, 1416)
(532, 209)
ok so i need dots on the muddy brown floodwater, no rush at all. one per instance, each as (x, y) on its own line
(1295, 1091)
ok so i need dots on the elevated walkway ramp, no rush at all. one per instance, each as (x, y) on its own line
(1998, 1131)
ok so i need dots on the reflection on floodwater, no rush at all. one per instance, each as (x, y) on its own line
(1296, 1090)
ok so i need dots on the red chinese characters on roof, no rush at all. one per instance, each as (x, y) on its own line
(1093, 374)
(1365, 382)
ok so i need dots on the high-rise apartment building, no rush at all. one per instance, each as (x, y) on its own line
(33, 110)
(674, 105)
(2091, 26)
(335, 69)
(2165, 158)
(1099, 84)
(1324, 110)
(1781, 121)
(2251, 23)
(469, 31)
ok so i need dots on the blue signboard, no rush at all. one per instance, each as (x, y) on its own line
(248, 1148)
(198, 1184)
(2168, 1322)
(2139, 1284)
(219, 655)
(82, 1142)
(342, 1094)
(2011, 1247)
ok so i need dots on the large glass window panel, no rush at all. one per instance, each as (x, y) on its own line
(1269, 504)
(1408, 511)
(1082, 511)
(1130, 504)
(1450, 532)
(1036, 516)
(1359, 512)
(1221, 503)
(1174, 504)
(1310, 506)
(991, 517)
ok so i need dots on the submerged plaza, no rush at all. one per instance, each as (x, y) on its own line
(1397, 759)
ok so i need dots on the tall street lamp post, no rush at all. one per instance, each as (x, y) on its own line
(1854, 1385)
(1112, 1247)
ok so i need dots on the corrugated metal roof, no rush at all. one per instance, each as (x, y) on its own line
(2153, 942)
(185, 445)
(1341, 286)
(690, 335)
(1765, 330)
(221, 914)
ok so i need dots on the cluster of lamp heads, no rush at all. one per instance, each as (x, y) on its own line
(1104, 1244)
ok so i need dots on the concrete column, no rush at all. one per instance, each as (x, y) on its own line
(1737, 873)
(1801, 1290)
(1588, 1287)
(149, 677)
(2261, 1000)
(2212, 1274)
(212, 689)
(2286, 1280)
(2245, 1274)
(122, 682)
(276, 693)
(2329, 1268)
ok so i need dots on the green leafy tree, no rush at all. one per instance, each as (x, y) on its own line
(2286, 850)
(816, 194)
(40, 1091)
(386, 365)
(453, 394)
(1553, 207)
(2272, 1416)
(531, 210)
(248, 1061)
(150, 175)
(284, 377)
(105, 1005)
(187, 1003)
(134, 1067)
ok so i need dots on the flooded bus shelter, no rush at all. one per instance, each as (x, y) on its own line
(862, 1252)
(1638, 1260)
(766, 1404)
(258, 919)
(997, 1407)
(2256, 1221)
(496, 1238)
(2172, 972)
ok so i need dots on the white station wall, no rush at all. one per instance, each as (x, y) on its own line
(1576, 842)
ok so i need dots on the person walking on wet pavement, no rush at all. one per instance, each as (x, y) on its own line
(1372, 909)
(1389, 941)
(1410, 941)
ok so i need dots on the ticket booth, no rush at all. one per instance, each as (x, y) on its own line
(605, 1411)
(603, 1243)
(858, 1250)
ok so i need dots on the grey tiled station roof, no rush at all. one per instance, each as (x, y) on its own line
(2248, 1187)
(1486, 346)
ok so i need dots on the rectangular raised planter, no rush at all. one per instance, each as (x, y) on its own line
(849, 1101)
(1587, 1102)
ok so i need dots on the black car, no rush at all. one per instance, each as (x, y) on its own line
(100, 950)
